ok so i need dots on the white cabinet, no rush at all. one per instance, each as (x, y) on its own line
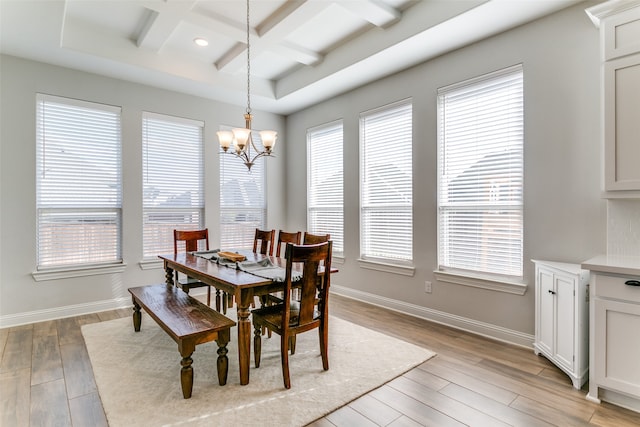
(562, 317)
(619, 23)
(615, 349)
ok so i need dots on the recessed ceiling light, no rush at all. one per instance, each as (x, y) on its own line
(201, 42)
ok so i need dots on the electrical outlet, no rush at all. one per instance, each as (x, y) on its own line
(427, 286)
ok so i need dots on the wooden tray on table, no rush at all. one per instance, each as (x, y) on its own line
(232, 256)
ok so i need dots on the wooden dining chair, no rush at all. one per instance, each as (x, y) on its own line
(312, 239)
(290, 318)
(266, 239)
(285, 237)
(192, 239)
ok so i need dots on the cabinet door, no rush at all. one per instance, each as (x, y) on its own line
(565, 321)
(621, 124)
(546, 311)
(621, 34)
(617, 346)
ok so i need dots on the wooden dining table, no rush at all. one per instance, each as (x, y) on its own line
(242, 285)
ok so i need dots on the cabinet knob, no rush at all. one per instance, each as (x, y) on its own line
(551, 292)
(632, 282)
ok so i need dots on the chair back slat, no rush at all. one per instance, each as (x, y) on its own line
(191, 239)
(287, 237)
(312, 239)
(266, 239)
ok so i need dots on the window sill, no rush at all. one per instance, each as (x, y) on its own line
(66, 273)
(482, 282)
(405, 270)
(337, 259)
(151, 264)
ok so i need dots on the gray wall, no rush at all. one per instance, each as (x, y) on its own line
(565, 219)
(21, 298)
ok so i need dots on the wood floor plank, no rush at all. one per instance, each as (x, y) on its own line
(322, 422)
(69, 331)
(86, 319)
(78, 371)
(45, 328)
(87, 411)
(508, 354)
(348, 417)
(545, 391)
(533, 388)
(49, 405)
(427, 379)
(554, 374)
(17, 353)
(114, 314)
(46, 362)
(448, 406)
(378, 412)
(4, 334)
(478, 385)
(489, 406)
(404, 421)
(414, 409)
(15, 393)
(608, 415)
(555, 416)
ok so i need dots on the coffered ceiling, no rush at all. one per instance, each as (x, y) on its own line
(302, 51)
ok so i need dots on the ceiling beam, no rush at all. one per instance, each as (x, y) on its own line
(373, 11)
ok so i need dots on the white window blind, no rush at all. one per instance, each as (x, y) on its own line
(173, 176)
(386, 191)
(480, 142)
(242, 200)
(325, 183)
(78, 183)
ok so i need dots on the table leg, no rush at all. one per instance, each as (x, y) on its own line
(168, 275)
(244, 334)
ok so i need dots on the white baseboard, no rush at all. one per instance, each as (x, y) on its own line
(480, 328)
(62, 312)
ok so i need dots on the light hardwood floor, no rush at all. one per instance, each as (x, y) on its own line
(46, 379)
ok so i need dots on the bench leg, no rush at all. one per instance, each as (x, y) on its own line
(186, 347)
(137, 316)
(186, 376)
(223, 361)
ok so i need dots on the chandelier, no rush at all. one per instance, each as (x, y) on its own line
(241, 138)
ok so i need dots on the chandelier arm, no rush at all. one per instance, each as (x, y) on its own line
(225, 139)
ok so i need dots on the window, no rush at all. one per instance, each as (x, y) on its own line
(78, 183)
(172, 175)
(242, 200)
(325, 183)
(480, 167)
(386, 195)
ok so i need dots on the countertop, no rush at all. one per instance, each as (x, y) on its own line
(614, 264)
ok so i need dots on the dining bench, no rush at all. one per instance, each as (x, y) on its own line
(188, 322)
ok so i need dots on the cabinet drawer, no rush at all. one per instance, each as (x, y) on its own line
(611, 286)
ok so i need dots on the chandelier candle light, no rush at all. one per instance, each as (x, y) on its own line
(241, 137)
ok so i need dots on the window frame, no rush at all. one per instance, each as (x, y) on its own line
(227, 243)
(46, 200)
(313, 137)
(510, 283)
(172, 158)
(398, 265)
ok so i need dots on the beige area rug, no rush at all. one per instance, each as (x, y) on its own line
(138, 376)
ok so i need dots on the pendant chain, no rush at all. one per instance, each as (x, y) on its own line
(248, 65)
